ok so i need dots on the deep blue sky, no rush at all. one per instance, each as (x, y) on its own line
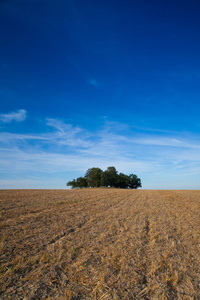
(99, 83)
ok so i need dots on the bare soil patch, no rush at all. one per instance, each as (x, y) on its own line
(99, 244)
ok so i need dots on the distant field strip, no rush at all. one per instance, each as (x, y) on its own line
(99, 244)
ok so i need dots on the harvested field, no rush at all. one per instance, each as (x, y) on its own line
(100, 244)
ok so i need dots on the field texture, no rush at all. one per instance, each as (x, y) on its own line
(100, 244)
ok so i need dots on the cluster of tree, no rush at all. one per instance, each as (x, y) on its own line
(95, 177)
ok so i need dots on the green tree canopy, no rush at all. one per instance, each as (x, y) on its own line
(112, 176)
(134, 182)
(95, 177)
(80, 182)
(123, 181)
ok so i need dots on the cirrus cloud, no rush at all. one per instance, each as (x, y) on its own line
(62, 151)
(17, 116)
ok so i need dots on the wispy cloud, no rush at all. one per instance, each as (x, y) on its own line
(65, 149)
(68, 135)
(98, 84)
(94, 82)
(166, 141)
(17, 116)
(6, 137)
(63, 128)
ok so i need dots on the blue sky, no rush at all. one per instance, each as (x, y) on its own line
(96, 84)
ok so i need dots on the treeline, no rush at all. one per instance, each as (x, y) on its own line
(95, 177)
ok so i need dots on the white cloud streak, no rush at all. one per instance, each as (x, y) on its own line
(17, 116)
(69, 149)
(93, 82)
(6, 137)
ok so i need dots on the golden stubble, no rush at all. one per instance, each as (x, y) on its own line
(99, 244)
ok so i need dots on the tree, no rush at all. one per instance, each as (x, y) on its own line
(93, 177)
(123, 181)
(72, 184)
(80, 182)
(134, 182)
(112, 176)
(104, 179)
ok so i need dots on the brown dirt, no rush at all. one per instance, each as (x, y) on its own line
(99, 244)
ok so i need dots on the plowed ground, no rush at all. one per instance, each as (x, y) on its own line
(100, 244)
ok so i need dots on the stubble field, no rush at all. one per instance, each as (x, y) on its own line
(99, 244)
